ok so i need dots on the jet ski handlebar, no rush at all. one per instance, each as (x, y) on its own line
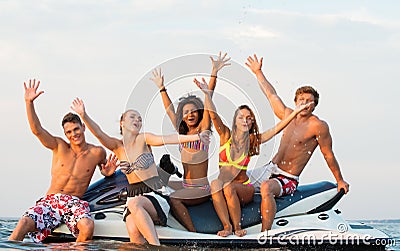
(167, 165)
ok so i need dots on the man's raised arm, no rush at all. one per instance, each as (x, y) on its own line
(275, 101)
(48, 140)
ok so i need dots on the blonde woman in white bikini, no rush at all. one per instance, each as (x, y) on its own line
(145, 206)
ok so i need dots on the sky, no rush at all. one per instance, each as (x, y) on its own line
(104, 51)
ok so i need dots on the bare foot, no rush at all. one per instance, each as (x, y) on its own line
(240, 232)
(225, 232)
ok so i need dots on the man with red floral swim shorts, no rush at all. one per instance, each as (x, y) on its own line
(299, 140)
(72, 168)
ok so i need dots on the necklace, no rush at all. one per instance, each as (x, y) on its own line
(236, 146)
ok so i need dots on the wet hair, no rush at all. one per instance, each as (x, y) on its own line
(307, 89)
(190, 99)
(123, 117)
(254, 134)
(71, 117)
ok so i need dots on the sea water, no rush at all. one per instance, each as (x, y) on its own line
(390, 227)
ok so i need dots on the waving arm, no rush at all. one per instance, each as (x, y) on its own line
(110, 165)
(217, 65)
(158, 79)
(159, 140)
(107, 141)
(277, 105)
(220, 127)
(31, 93)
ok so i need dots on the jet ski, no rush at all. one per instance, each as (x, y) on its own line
(306, 218)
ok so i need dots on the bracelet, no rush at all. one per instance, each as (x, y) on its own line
(213, 76)
(163, 89)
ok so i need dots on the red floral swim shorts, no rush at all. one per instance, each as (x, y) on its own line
(54, 209)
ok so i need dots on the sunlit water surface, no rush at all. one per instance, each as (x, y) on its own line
(392, 228)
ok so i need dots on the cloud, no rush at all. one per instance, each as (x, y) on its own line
(252, 31)
(361, 15)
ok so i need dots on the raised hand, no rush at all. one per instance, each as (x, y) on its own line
(219, 63)
(254, 64)
(158, 78)
(205, 137)
(112, 163)
(78, 106)
(202, 85)
(31, 90)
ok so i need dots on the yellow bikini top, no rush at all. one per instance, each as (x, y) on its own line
(225, 158)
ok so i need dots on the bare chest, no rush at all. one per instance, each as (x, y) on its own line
(77, 165)
(299, 137)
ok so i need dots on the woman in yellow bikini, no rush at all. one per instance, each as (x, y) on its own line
(233, 189)
(190, 118)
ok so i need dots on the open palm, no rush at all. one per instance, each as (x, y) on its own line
(202, 85)
(220, 62)
(31, 92)
(158, 78)
(78, 106)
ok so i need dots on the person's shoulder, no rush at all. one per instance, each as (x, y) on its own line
(141, 137)
(318, 123)
(96, 149)
(61, 142)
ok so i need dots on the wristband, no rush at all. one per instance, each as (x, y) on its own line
(163, 89)
(214, 76)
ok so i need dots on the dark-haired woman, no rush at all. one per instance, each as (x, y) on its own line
(190, 118)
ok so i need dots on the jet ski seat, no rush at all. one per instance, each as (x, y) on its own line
(206, 220)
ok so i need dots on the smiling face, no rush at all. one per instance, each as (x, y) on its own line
(74, 132)
(131, 121)
(190, 115)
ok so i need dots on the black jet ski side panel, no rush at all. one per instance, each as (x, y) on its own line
(107, 192)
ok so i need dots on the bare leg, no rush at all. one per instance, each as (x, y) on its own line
(187, 197)
(221, 207)
(86, 228)
(134, 234)
(237, 194)
(269, 189)
(143, 214)
(24, 226)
